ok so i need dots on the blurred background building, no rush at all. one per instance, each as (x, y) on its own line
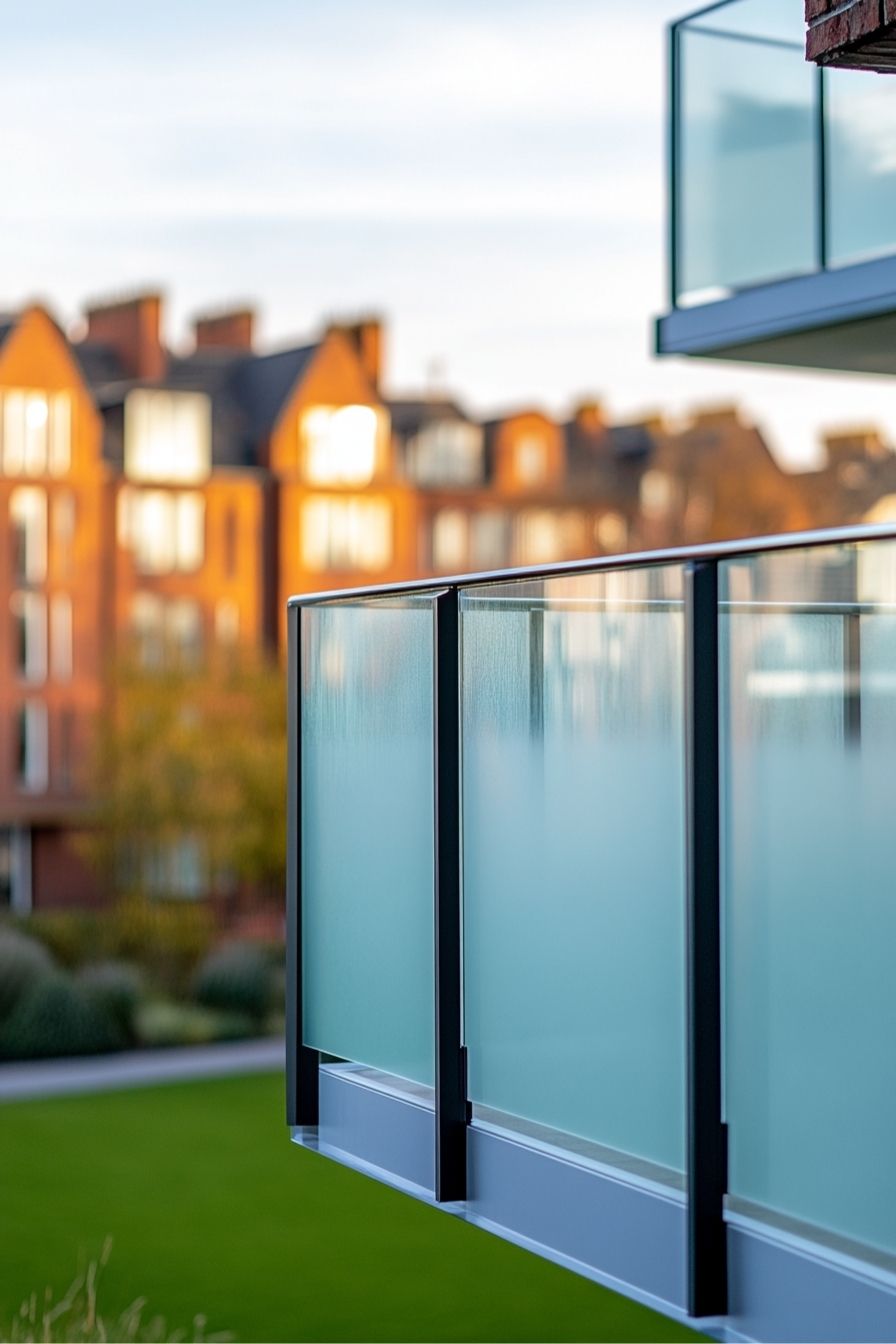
(162, 507)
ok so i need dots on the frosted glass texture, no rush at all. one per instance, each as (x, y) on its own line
(747, 173)
(809, 740)
(367, 834)
(861, 165)
(573, 856)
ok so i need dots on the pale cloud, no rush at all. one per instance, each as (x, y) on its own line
(490, 174)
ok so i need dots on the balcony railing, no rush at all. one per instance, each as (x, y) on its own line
(592, 915)
(779, 171)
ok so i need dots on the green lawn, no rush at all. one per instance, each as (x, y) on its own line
(212, 1210)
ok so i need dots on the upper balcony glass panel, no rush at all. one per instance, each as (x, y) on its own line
(783, 196)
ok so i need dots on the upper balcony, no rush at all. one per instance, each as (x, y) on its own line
(782, 238)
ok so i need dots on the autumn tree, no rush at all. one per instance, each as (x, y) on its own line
(189, 777)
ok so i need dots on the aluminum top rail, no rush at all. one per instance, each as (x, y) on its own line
(720, 550)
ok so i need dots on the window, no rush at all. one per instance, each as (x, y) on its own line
(183, 631)
(176, 868)
(63, 520)
(543, 536)
(29, 615)
(148, 626)
(167, 436)
(491, 540)
(61, 636)
(346, 534)
(611, 532)
(531, 459)
(227, 622)
(28, 519)
(165, 529)
(60, 446)
(450, 540)
(657, 493)
(340, 444)
(446, 452)
(166, 632)
(66, 749)
(35, 429)
(31, 747)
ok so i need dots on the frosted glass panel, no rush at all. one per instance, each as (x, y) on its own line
(861, 113)
(573, 856)
(809, 728)
(367, 834)
(747, 165)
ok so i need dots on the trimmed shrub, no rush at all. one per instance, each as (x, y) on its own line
(236, 978)
(23, 961)
(116, 986)
(55, 1017)
(161, 1023)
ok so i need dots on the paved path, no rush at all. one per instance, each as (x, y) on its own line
(138, 1068)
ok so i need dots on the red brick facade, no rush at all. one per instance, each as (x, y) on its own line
(860, 34)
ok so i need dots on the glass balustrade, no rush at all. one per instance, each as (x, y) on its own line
(779, 169)
(573, 710)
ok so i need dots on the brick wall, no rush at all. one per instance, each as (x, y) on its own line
(856, 33)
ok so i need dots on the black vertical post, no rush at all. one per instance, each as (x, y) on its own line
(301, 1063)
(821, 169)
(673, 161)
(706, 1139)
(451, 1082)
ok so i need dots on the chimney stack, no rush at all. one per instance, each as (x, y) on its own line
(132, 329)
(232, 329)
(366, 335)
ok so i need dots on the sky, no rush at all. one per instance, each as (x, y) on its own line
(489, 175)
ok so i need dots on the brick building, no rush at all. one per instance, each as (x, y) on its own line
(857, 34)
(170, 504)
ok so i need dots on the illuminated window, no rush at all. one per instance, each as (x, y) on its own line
(657, 493)
(446, 452)
(59, 456)
(611, 532)
(164, 529)
(29, 616)
(450, 540)
(28, 521)
(167, 436)
(35, 429)
(340, 444)
(31, 747)
(346, 534)
(539, 537)
(61, 636)
(531, 459)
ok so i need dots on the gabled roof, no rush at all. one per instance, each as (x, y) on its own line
(7, 322)
(262, 385)
(99, 364)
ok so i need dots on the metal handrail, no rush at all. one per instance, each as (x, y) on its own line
(744, 548)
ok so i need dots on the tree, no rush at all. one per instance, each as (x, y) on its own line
(189, 778)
